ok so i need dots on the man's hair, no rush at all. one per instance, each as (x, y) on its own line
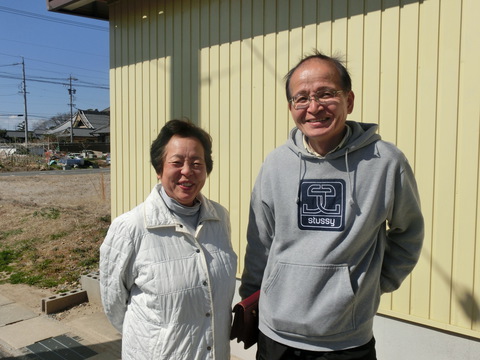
(345, 80)
(183, 128)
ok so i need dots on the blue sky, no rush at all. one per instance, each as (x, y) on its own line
(54, 47)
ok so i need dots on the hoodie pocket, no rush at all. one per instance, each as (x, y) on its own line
(309, 300)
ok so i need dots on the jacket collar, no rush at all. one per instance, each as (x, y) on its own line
(156, 213)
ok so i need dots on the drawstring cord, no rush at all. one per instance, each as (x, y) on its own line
(299, 177)
(350, 183)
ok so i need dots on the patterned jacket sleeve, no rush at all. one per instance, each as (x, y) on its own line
(116, 275)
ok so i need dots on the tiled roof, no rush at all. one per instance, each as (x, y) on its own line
(86, 123)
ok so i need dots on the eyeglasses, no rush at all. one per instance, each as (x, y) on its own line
(321, 98)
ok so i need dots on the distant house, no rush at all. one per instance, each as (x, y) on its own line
(102, 134)
(87, 126)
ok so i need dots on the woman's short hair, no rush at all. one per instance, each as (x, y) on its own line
(183, 128)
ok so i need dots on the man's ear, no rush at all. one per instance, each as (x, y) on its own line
(350, 101)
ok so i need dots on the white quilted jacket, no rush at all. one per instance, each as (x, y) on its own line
(167, 292)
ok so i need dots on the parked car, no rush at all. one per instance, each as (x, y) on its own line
(71, 161)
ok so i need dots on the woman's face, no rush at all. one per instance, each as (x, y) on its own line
(184, 169)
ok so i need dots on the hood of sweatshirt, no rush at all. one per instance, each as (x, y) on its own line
(362, 135)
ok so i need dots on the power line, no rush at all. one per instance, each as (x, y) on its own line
(13, 116)
(8, 65)
(52, 19)
(68, 66)
(103, 79)
(57, 81)
(76, 51)
(52, 63)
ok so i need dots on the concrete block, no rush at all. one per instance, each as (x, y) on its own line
(91, 284)
(56, 303)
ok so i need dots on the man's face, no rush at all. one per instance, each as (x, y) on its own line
(324, 125)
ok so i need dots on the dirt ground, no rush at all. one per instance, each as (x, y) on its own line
(59, 221)
(84, 188)
(31, 297)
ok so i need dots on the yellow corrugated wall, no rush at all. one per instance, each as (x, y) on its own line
(415, 69)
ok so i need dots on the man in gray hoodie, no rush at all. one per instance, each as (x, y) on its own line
(335, 222)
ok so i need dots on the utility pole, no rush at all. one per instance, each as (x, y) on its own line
(71, 92)
(25, 103)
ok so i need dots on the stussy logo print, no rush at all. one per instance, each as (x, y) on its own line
(322, 205)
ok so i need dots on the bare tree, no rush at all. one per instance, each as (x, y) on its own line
(54, 121)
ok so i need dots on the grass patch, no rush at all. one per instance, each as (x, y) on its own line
(106, 219)
(6, 234)
(49, 213)
(22, 277)
(90, 262)
(45, 264)
(51, 239)
(6, 258)
(58, 236)
(51, 260)
(34, 262)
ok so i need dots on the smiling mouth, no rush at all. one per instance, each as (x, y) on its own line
(186, 184)
(318, 120)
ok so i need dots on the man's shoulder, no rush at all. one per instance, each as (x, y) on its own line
(388, 147)
(389, 154)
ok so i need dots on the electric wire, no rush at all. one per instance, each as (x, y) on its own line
(51, 18)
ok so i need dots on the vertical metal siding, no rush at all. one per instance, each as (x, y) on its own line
(426, 98)
(221, 63)
(465, 308)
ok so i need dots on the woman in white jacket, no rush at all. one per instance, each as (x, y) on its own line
(167, 267)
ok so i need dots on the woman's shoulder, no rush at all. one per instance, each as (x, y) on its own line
(128, 221)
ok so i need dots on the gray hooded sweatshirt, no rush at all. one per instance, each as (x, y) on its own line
(327, 236)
